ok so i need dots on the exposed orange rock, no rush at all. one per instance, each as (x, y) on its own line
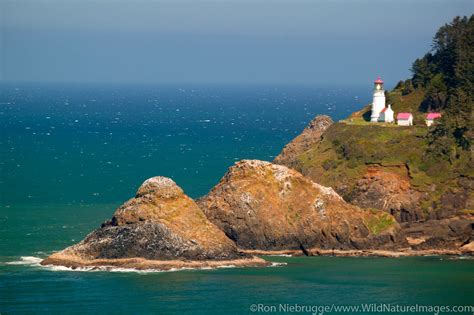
(159, 224)
(468, 248)
(388, 188)
(449, 233)
(265, 206)
(375, 167)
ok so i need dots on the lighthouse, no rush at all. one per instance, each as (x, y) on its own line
(378, 103)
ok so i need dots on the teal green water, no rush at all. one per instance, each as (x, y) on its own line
(304, 280)
(71, 154)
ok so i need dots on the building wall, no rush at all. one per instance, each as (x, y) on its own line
(386, 116)
(405, 122)
(378, 105)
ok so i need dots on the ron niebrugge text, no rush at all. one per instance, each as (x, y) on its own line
(361, 308)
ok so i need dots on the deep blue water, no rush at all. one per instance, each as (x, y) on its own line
(83, 144)
(70, 154)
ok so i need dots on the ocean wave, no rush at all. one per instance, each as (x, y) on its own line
(131, 270)
(457, 257)
(102, 269)
(26, 260)
(36, 262)
(226, 267)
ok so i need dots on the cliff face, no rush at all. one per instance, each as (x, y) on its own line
(159, 223)
(385, 167)
(265, 206)
(450, 233)
(387, 188)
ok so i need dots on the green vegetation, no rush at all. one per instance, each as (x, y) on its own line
(346, 152)
(379, 222)
(443, 80)
(432, 160)
(400, 103)
(446, 78)
(408, 103)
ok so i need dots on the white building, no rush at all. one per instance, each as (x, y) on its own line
(431, 117)
(378, 103)
(405, 119)
(386, 115)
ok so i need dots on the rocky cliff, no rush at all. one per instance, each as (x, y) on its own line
(455, 232)
(265, 206)
(310, 136)
(160, 224)
(385, 168)
(378, 177)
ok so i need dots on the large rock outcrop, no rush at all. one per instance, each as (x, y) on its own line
(385, 167)
(160, 223)
(266, 206)
(389, 189)
(304, 141)
(448, 233)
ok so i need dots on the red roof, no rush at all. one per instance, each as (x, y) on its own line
(403, 116)
(383, 110)
(379, 80)
(432, 116)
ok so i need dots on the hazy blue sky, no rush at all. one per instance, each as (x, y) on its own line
(295, 42)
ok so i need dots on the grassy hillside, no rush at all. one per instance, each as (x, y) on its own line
(387, 164)
(400, 102)
(346, 151)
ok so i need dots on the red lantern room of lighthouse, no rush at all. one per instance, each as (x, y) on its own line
(378, 84)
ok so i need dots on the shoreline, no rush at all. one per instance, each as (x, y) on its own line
(360, 253)
(138, 263)
(141, 264)
(74, 262)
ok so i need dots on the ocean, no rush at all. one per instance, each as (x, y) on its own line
(72, 153)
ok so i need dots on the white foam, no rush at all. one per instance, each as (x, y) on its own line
(35, 261)
(125, 270)
(26, 260)
(101, 269)
(459, 257)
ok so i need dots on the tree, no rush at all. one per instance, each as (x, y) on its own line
(436, 95)
(453, 47)
(422, 70)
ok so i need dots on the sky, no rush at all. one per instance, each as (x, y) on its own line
(317, 42)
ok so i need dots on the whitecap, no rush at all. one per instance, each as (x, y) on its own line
(118, 269)
(101, 269)
(26, 260)
(35, 261)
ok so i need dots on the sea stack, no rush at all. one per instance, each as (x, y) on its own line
(264, 206)
(162, 228)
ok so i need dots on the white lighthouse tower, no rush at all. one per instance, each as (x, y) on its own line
(378, 103)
